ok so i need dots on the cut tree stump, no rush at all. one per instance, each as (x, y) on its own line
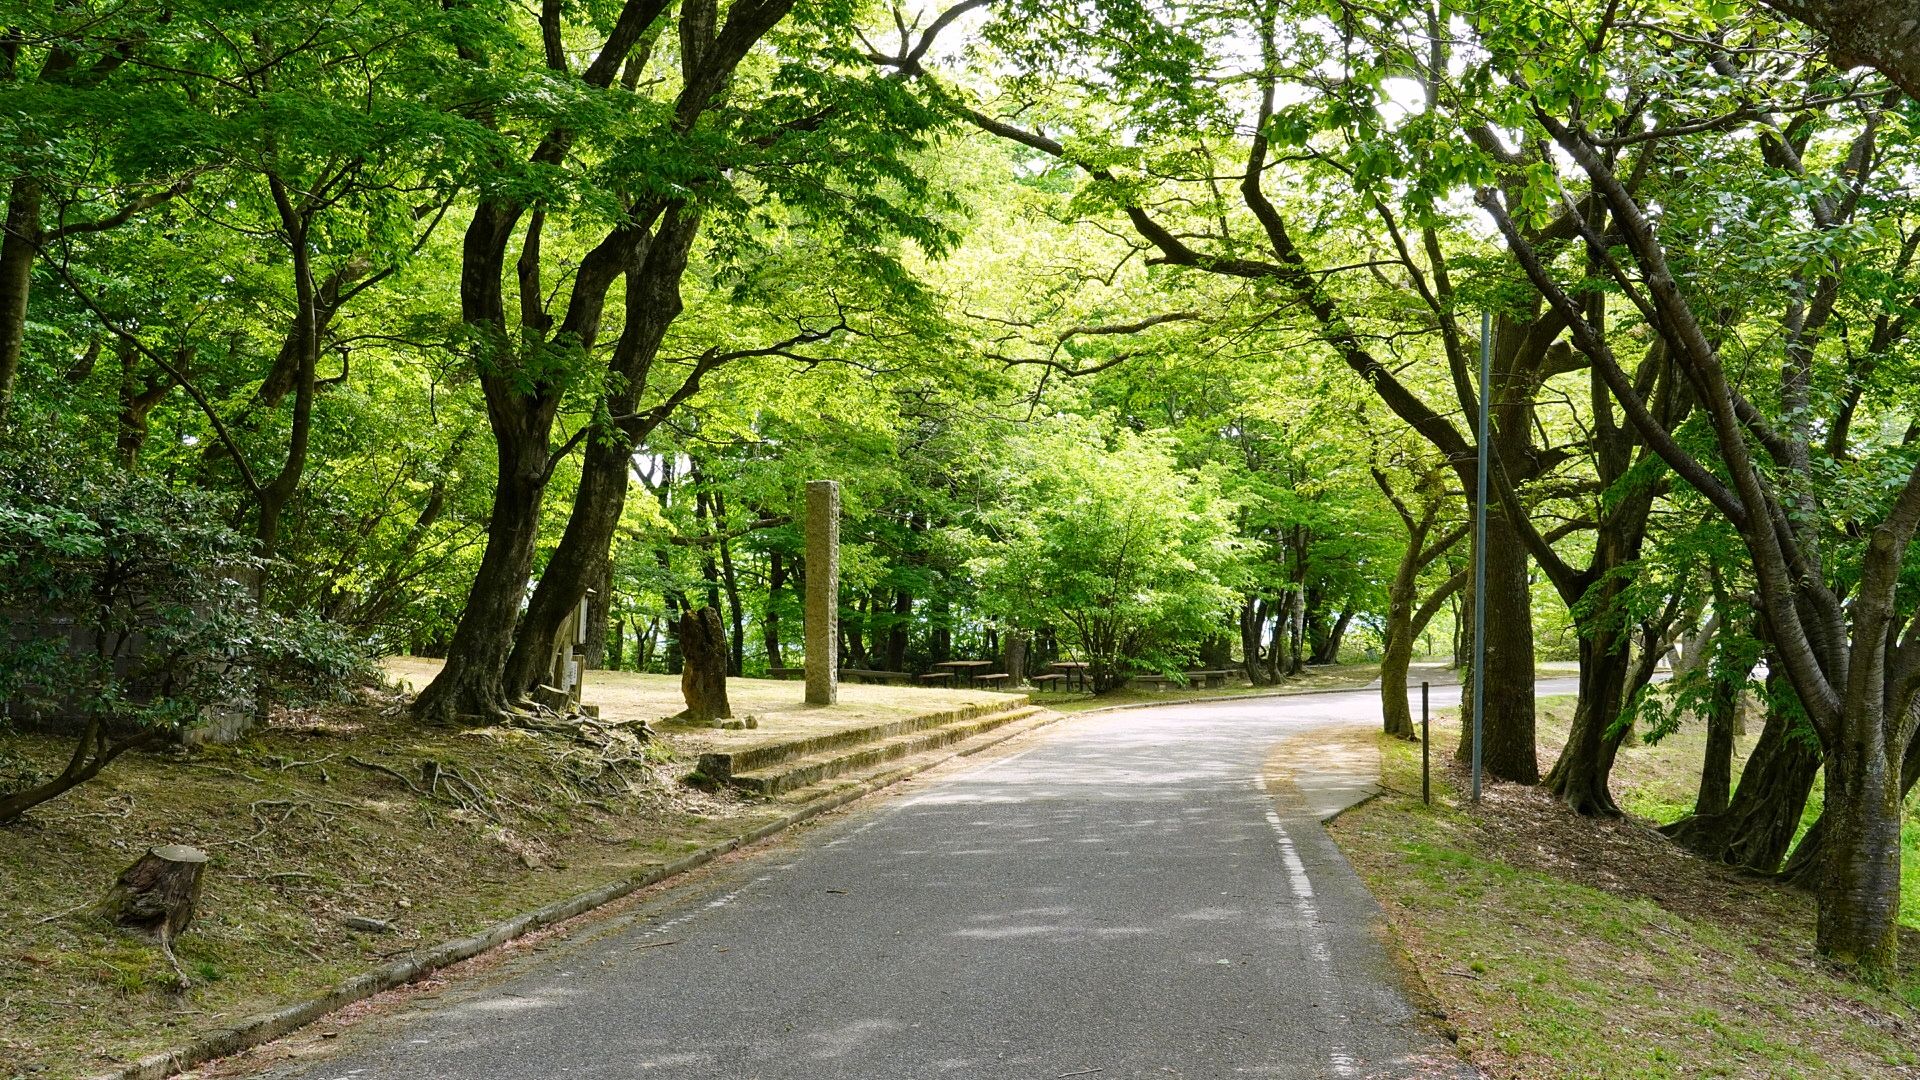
(703, 668)
(156, 895)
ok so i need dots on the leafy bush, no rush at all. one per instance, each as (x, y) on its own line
(1113, 545)
(132, 617)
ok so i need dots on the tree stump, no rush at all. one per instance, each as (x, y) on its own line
(156, 895)
(703, 666)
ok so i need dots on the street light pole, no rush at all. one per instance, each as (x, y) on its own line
(1480, 552)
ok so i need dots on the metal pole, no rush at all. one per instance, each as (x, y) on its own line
(1426, 745)
(1480, 551)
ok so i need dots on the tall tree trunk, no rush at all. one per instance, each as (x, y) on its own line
(1508, 735)
(1016, 658)
(1859, 888)
(942, 630)
(1580, 776)
(1804, 867)
(1250, 640)
(471, 685)
(1396, 652)
(1327, 651)
(597, 505)
(1716, 770)
(897, 631)
(652, 303)
(770, 617)
(736, 617)
(17, 250)
(1764, 813)
(599, 610)
(1297, 631)
(1397, 656)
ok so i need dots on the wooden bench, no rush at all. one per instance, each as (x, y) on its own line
(1050, 682)
(938, 678)
(786, 673)
(994, 679)
(867, 675)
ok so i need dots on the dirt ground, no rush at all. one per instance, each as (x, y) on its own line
(348, 811)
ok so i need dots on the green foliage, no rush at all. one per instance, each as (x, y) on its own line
(1113, 544)
(135, 610)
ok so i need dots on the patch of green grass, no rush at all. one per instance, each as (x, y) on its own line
(1555, 958)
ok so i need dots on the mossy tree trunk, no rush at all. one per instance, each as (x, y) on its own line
(703, 670)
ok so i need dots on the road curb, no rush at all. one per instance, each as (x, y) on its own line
(267, 1026)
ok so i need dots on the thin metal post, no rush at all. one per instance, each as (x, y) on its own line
(1480, 550)
(1426, 744)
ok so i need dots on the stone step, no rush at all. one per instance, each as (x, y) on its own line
(812, 769)
(886, 772)
(723, 766)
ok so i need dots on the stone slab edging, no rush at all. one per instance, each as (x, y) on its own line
(267, 1026)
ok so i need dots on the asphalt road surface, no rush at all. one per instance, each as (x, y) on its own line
(1121, 898)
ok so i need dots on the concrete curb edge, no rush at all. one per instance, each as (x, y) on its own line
(267, 1026)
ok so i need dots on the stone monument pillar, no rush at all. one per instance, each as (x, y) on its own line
(823, 592)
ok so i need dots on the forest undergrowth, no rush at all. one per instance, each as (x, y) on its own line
(347, 811)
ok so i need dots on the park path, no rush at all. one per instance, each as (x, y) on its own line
(1122, 898)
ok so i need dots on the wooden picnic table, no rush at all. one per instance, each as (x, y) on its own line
(1073, 670)
(964, 668)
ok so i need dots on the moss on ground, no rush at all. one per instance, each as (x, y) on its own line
(301, 837)
(1565, 947)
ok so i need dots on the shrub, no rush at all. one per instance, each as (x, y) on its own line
(132, 616)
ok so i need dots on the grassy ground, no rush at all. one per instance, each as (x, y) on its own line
(1564, 947)
(1327, 677)
(303, 831)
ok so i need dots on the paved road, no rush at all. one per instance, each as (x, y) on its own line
(1121, 899)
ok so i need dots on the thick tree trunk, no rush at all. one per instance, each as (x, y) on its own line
(1803, 868)
(942, 630)
(736, 615)
(17, 250)
(1859, 888)
(1327, 651)
(1396, 653)
(1580, 776)
(599, 611)
(1297, 631)
(703, 673)
(1016, 658)
(1250, 641)
(471, 685)
(1508, 749)
(1716, 771)
(652, 303)
(156, 896)
(1760, 820)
